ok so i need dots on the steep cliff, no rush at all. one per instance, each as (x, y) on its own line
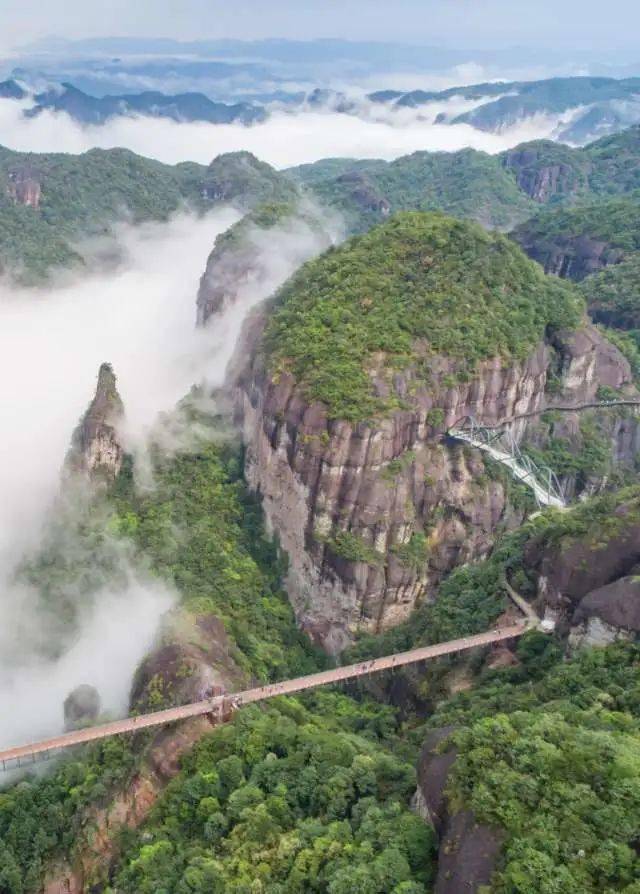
(469, 851)
(345, 415)
(254, 257)
(548, 172)
(576, 242)
(585, 567)
(96, 447)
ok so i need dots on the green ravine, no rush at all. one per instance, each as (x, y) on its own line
(464, 293)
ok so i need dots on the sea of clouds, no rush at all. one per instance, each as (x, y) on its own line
(285, 139)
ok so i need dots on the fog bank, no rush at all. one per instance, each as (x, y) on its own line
(283, 140)
(141, 318)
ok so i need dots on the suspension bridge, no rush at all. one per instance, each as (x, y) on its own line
(220, 708)
(501, 444)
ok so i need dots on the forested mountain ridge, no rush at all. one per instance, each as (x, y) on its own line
(48, 202)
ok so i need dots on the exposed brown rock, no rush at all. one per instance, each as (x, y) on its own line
(96, 448)
(541, 172)
(617, 604)
(469, 850)
(571, 257)
(399, 476)
(192, 661)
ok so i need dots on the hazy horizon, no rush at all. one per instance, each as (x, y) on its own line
(573, 25)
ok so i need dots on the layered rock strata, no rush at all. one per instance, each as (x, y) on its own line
(372, 516)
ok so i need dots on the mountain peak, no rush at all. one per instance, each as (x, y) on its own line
(96, 449)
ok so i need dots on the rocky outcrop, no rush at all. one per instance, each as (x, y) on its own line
(243, 266)
(192, 660)
(96, 446)
(241, 179)
(98, 843)
(587, 577)
(469, 851)
(364, 194)
(372, 516)
(573, 257)
(81, 707)
(546, 171)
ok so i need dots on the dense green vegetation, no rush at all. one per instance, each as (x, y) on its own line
(469, 295)
(294, 798)
(614, 221)
(265, 217)
(80, 196)
(613, 295)
(243, 179)
(556, 764)
(493, 190)
(533, 162)
(288, 799)
(83, 195)
(465, 184)
(588, 455)
(615, 163)
(28, 246)
(40, 818)
(202, 531)
(312, 794)
(548, 750)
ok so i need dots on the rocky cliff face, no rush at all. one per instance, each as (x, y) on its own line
(546, 171)
(257, 254)
(587, 578)
(373, 516)
(96, 448)
(192, 660)
(573, 257)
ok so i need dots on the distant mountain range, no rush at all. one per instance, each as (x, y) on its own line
(598, 105)
(97, 110)
(586, 108)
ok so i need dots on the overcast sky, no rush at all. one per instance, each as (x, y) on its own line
(578, 24)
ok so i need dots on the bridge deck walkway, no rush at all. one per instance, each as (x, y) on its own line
(11, 757)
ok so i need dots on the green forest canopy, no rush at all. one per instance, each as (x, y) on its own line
(471, 295)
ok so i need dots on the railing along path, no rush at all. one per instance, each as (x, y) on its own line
(500, 443)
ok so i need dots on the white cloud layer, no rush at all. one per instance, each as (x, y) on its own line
(140, 318)
(283, 140)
